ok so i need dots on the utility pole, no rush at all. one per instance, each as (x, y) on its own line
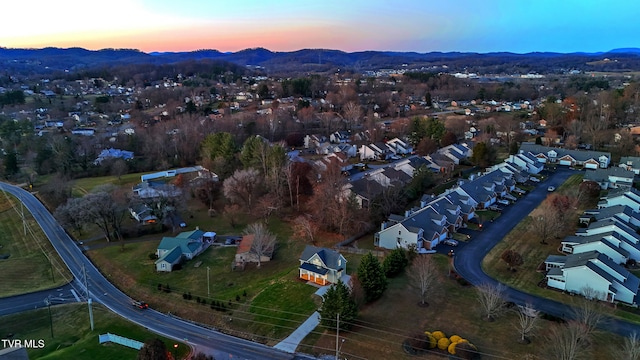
(48, 302)
(208, 288)
(337, 336)
(86, 288)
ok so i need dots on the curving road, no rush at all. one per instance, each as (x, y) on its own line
(101, 290)
(468, 260)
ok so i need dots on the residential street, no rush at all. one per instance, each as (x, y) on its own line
(101, 290)
(468, 260)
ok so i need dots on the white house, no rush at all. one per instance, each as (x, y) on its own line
(423, 229)
(607, 244)
(631, 163)
(615, 177)
(592, 274)
(628, 197)
(567, 157)
(399, 147)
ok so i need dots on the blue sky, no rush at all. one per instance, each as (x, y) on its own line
(350, 25)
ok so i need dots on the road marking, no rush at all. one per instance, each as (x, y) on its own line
(73, 292)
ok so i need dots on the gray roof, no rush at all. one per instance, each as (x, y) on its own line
(602, 175)
(329, 257)
(632, 161)
(579, 155)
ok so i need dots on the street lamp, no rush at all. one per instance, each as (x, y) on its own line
(208, 288)
(175, 351)
(47, 301)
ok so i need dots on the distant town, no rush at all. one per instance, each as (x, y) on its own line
(275, 207)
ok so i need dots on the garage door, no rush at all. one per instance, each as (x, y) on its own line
(565, 162)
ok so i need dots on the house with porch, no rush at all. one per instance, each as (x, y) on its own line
(245, 255)
(624, 236)
(622, 212)
(592, 274)
(187, 245)
(321, 265)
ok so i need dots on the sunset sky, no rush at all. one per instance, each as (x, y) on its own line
(349, 25)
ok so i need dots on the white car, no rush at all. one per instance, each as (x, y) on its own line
(450, 242)
(503, 202)
(551, 188)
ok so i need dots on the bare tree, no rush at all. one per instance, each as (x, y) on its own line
(305, 229)
(422, 274)
(544, 222)
(589, 312)
(264, 242)
(242, 187)
(527, 321)
(630, 348)
(491, 298)
(566, 342)
(119, 167)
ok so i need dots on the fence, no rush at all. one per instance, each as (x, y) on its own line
(120, 340)
(352, 250)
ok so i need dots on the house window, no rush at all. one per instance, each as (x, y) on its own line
(399, 240)
(163, 266)
(400, 232)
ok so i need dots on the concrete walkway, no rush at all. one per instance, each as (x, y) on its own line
(291, 342)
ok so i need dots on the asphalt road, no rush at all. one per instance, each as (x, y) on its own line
(60, 295)
(211, 342)
(468, 259)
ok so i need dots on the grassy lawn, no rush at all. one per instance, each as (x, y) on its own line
(267, 302)
(73, 338)
(32, 264)
(381, 327)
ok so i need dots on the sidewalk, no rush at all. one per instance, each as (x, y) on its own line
(291, 342)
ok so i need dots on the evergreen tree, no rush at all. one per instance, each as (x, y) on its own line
(372, 278)
(395, 262)
(338, 300)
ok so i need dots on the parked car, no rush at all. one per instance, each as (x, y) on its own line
(495, 208)
(450, 242)
(534, 179)
(503, 202)
(551, 188)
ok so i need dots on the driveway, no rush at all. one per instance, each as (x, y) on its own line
(469, 257)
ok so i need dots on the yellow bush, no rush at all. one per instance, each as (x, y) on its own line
(432, 341)
(452, 348)
(427, 333)
(438, 335)
(443, 343)
(455, 338)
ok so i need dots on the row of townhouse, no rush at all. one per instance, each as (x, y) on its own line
(595, 256)
(437, 217)
(385, 150)
(567, 157)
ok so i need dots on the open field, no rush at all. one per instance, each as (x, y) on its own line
(72, 335)
(32, 263)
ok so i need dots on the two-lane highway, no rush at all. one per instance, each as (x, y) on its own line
(101, 290)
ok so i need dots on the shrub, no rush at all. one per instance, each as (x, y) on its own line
(185, 296)
(454, 338)
(153, 256)
(443, 343)
(438, 335)
(237, 297)
(244, 293)
(167, 289)
(432, 341)
(466, 350)
(452, 348)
